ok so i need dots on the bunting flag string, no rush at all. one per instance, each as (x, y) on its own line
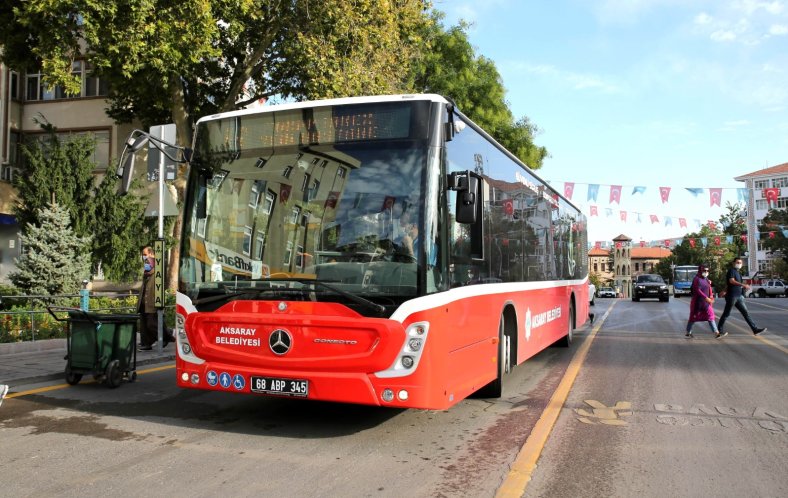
(694, 242)
(715, 193)
(668, 221)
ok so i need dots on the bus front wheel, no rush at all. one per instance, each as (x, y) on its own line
(495, 388)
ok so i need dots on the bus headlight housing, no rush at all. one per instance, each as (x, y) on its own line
(409, 355)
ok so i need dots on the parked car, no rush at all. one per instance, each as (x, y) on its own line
(591, 293)
(606, 292)
(771, 288)
(650, 286)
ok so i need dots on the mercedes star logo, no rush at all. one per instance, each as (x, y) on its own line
(280, 341)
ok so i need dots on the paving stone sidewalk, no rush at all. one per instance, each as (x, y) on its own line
(39, 361)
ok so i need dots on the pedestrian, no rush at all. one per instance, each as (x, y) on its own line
(146, 305)
(734, 296)
(700, 304)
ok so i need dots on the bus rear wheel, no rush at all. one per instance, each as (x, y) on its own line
(566, 341)
(495, 388)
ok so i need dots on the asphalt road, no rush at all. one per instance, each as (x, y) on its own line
(650, 414)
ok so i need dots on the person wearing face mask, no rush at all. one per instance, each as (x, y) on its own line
(700, 304)
(734, 296)
(146, 306)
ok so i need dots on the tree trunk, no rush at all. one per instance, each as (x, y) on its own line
(180, 117)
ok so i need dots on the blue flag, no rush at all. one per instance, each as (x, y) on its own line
(744, 195)
(638, 190)
(593, 191)
(695, 191)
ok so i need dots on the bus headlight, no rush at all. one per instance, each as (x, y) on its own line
(413, 347)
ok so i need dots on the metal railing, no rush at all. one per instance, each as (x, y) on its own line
(37, 305)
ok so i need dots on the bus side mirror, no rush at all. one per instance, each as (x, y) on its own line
(126, 169)
(468, 196)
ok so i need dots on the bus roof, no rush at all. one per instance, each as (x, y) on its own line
(326, 102)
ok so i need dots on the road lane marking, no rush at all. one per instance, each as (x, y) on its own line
(524, 464)
(602, 414)
(64, 386)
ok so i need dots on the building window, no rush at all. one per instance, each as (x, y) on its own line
(305, 183)
(201, 222)
(341, 173)
(595, 267)
(761, 205)
(101, 137)
(254, 196)
(760, 184)
(259, 240)
(92, 86)
(247, 240)
(780, 182)
(288, 253)
(300, 257)
(313, 191)
(296, 215)
(603, 266)
(15, 86)
(287, 171)
(268, 205)
(637, 266)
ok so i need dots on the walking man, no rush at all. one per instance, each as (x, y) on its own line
(734, 296)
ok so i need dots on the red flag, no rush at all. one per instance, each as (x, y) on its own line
(623, 215)
(771, 235)
(717, 240)
(743, 238)
(715, 196)
(597, 245)
(615, 194)
(284, 193)
(771, 194)
(654, 219)
(667, 242)
(505, 242)
(642, 243)
(682, 223)
(618, 245)
(593, 211)
(388, 203)
(508, 207)
(664, 193)
(712, 225)
(331, 200)
(569, 189)
(692, 242)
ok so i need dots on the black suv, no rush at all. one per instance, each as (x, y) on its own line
(648, 286)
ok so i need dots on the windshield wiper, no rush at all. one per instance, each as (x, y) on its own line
(377, 308)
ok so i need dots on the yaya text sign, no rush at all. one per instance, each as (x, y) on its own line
(158, 274)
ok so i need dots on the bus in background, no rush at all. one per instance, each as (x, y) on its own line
(377, 250)
(682, 279)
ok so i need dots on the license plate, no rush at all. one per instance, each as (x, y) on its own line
(284, 387)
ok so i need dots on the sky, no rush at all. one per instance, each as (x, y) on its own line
(650, 93)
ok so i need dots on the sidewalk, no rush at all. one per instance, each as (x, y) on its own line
(39, 361)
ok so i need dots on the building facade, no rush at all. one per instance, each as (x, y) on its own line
(767, 188)
(24, 102)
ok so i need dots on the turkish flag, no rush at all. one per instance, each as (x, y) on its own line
(615, 194)
(664, 193)
(569, 189)
(743, 238)
(771, 194)
(712, 225)
(593, 211)
(654, 219)
(682, 223)
(771, 235)
(667, 242)
(717, 240)
(623, 215)
(618, 245)
(597, 245)
(642, 243)
(715, 196)
(284, 193)
(692, 242)
(508, 207)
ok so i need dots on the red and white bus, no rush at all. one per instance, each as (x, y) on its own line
(376, 250)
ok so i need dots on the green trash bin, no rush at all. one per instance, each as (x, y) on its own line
(101, 344)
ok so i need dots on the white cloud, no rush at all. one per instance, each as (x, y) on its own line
(723, 36)
(778, 29)
(703, 18)
(577, 81)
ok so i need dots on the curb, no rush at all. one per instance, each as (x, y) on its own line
(59, 375)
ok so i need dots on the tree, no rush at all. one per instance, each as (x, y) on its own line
(449, 66)
(773, 229)
(171, 61)
(735, 225)
(53, 260)
(59, 171)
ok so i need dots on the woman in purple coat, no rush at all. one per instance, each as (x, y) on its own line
(700, 304)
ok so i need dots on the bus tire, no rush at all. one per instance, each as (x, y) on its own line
(495, 388)
(566, 341)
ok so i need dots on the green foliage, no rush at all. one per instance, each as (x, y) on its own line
(54, 260)
(59, 171)
(775, 221)
(449, 66)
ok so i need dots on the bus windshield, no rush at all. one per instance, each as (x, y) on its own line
(284, 198)
(685, 273)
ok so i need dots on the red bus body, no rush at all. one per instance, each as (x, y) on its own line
(485, 291)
